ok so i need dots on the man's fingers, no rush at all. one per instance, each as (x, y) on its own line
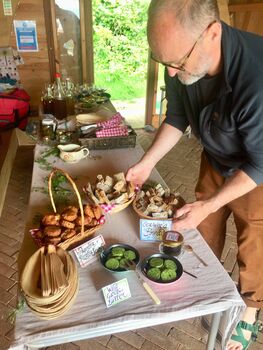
(181, 212)
(179, 225)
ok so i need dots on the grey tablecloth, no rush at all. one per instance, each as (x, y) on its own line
(211, 292)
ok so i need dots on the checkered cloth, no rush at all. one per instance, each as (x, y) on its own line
(112, 132)
(107, 207)
(114, 121)
(102, 220)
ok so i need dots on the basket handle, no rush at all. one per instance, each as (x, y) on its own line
(56, 170)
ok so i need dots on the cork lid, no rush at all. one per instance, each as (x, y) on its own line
(172, 238)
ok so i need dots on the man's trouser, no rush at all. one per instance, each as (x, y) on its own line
(248, 215)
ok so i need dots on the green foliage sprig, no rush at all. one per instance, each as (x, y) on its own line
(43, 162)
(19, 308)
(60, 192)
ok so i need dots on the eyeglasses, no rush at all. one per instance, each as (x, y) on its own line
(186, 57)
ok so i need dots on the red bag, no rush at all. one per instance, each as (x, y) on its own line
(14, 109)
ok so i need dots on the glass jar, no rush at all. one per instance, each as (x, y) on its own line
(47, 129)
(172, 242)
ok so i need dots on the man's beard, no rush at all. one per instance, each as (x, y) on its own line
(189, 78)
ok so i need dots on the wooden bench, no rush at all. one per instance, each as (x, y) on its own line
(9, 142)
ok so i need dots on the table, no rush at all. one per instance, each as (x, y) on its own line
(213, 292)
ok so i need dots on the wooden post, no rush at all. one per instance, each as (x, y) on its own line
(50, 22)
(151, 90)
(86, 30)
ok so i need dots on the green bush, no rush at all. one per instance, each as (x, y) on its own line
(120, 46)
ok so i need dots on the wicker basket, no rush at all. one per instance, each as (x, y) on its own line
(116, 208)
(110, 142)
(84, 233)
(180, 203)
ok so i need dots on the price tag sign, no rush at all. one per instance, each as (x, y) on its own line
(151, 230)
(116, 292)
(87, 252)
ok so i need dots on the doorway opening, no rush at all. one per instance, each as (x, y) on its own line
(121, 55)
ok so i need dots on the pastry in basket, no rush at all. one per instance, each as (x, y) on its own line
(68, 233)
(87, 220)
(110, 192)
(157, 202)
(67, 224)
(57, 228)
(70, 213)
(51, 219)
(93, 211)
(71, 225)
(52, 231)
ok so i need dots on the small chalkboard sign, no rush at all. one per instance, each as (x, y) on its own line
(116, 292)
(151, 230)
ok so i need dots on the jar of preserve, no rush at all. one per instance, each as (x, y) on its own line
(172, 242)
(48, 129)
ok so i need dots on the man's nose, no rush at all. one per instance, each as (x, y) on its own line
(172, 71)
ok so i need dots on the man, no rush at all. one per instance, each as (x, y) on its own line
(214, 83)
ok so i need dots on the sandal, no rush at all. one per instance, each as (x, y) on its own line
(239, 337)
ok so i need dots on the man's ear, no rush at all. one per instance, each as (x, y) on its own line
(214, 31)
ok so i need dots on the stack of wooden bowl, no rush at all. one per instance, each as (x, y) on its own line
(50, 282)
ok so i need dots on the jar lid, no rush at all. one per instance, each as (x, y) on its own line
(47, 121)
(172, 238)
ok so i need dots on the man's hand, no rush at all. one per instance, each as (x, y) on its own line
(191, 215)
(139, 173)
(165, 139)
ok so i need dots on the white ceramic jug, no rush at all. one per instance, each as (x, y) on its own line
(72, 153)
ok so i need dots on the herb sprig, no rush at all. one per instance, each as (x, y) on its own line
(42, 161)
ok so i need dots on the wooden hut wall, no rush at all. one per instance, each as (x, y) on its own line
(247, 15)
(34, 73)
(36, 70)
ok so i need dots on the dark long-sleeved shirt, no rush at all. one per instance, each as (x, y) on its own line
(225, 112)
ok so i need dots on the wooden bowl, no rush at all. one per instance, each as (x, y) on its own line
(180, 203)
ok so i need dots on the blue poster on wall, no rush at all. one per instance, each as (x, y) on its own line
(26, 35)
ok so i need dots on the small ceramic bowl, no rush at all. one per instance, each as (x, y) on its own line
(146, 265)
(109, 252)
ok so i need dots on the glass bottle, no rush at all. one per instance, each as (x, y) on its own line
(60, 103)
(70, 97)
(47, 101)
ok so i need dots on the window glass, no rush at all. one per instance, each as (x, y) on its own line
(68, 38)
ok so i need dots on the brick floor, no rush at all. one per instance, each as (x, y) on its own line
(179, 168)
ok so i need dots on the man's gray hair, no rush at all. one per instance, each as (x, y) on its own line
(190, 14)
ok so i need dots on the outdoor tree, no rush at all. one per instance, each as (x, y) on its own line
(120, 46)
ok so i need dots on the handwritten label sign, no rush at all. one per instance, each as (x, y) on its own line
(151, 230)
(86, 253)
(116, 292)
